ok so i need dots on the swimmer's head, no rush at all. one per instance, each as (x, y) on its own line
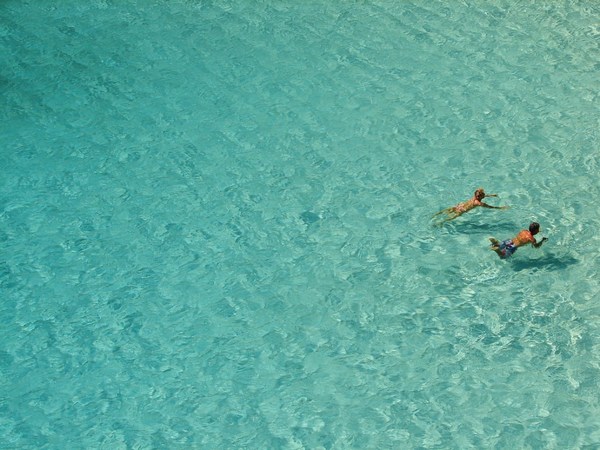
(479, 194)
(534, 228)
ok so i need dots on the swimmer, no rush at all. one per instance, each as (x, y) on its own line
(454, 211)
(505, 249)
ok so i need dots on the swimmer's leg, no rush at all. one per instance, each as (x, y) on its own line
(444, 211)
(499, 252)
(496, 247)
(451, 215)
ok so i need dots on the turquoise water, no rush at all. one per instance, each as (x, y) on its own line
(215, 225)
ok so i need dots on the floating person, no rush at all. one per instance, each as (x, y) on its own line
(454, 211)
(505, 249)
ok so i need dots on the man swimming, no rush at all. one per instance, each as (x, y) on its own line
(505, 249)
(454, 211)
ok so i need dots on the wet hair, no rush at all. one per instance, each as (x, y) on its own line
(534, 227)
(480, 190)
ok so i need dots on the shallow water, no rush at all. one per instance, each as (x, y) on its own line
(215, 225)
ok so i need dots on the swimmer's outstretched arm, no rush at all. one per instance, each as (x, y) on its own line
(539, 244)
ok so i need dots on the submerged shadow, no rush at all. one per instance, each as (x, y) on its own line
(549, 262)
(492, 228)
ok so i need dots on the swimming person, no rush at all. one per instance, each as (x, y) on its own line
(505, 249)
(454, 211)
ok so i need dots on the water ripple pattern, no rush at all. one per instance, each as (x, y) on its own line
(215, 224)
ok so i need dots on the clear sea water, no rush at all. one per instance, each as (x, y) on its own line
(215, 224)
